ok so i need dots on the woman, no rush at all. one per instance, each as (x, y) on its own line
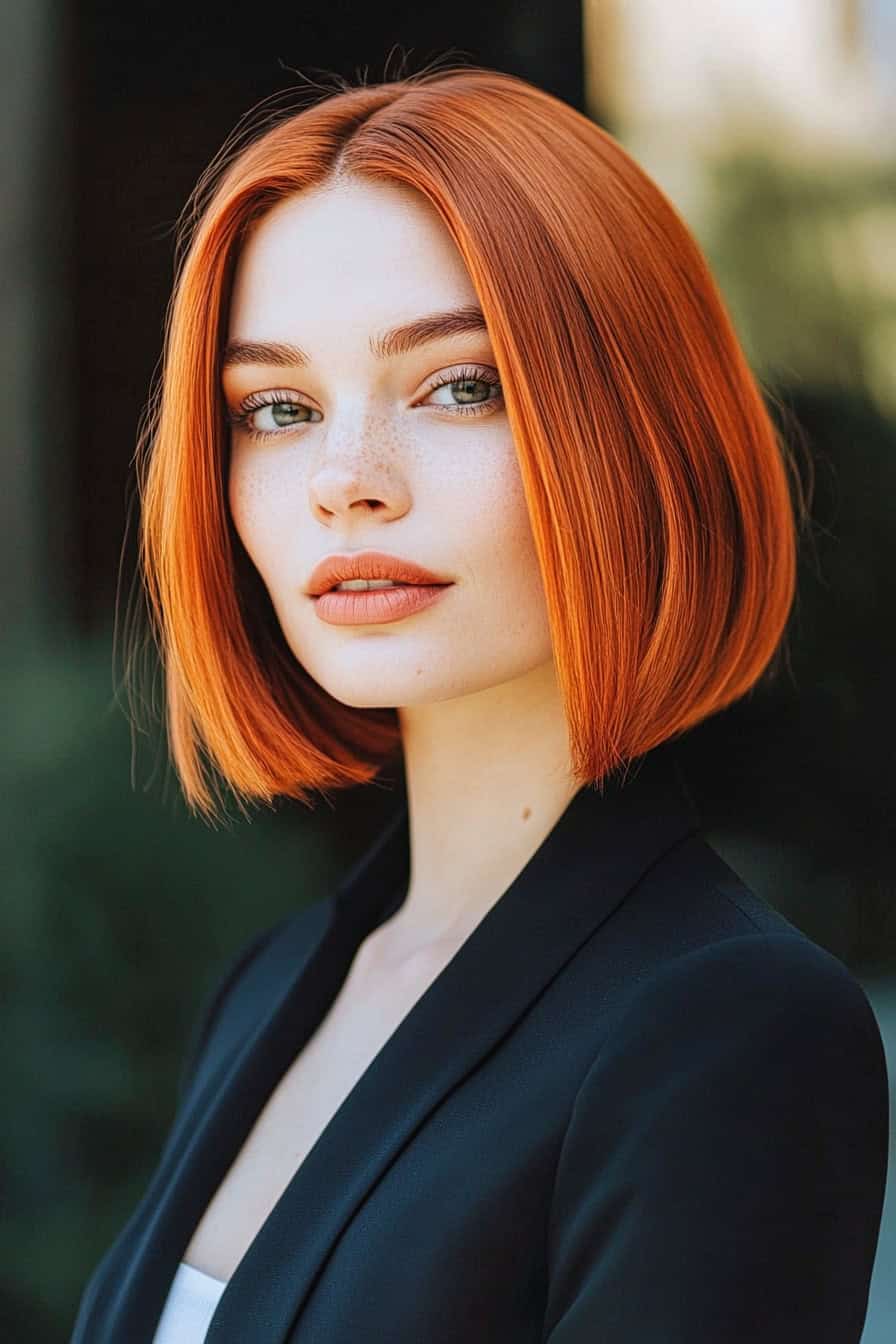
(543, 1068)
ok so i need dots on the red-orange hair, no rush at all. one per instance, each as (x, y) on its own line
(657, 484)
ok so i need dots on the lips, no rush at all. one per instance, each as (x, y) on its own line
(335, 569)
(378, 606)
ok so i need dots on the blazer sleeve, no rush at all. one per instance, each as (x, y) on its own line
(723, 1170)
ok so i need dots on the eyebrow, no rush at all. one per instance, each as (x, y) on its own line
(384, 345)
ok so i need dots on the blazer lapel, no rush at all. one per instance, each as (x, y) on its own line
(595, 853)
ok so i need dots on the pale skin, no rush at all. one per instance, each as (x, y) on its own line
(382, 460)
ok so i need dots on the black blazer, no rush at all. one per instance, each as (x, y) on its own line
(637, 1106)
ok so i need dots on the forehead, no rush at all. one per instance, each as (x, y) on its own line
(358, 247)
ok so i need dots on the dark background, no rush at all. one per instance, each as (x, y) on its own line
(117, 110)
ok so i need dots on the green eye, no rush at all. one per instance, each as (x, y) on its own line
(284, 412)
(467, 379)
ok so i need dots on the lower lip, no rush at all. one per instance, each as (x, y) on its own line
(374, 606)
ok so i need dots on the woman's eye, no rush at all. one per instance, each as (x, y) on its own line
(280, 415)
(270, 416)
(465, 391)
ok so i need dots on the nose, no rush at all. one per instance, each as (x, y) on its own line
(360, 485)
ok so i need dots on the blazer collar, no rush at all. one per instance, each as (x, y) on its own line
(598, 849)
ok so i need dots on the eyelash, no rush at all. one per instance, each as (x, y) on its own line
(467, 373)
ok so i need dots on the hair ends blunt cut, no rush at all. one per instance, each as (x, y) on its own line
(656, 482)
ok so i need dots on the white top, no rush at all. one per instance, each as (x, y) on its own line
(189, 1307)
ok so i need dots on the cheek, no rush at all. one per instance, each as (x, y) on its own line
(503, 553)
(259, 508)
(510, 527)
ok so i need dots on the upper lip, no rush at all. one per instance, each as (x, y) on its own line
(334, 569)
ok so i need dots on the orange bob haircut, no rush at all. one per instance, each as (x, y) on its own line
(656, 482)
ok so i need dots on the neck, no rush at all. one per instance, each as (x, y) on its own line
(488, 776)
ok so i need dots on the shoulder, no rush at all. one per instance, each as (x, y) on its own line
(770, 994)
(757, 975)
(700, 956)
(752, 1034)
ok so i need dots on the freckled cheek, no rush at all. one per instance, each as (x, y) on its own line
(263, 513)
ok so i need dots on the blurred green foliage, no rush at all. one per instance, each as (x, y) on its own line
(805, 254)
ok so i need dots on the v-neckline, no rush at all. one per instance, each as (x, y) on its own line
(361, 904)
(582, 869)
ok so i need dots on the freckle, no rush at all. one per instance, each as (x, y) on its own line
(527, 812)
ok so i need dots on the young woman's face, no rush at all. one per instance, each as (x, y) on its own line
(357, 450)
